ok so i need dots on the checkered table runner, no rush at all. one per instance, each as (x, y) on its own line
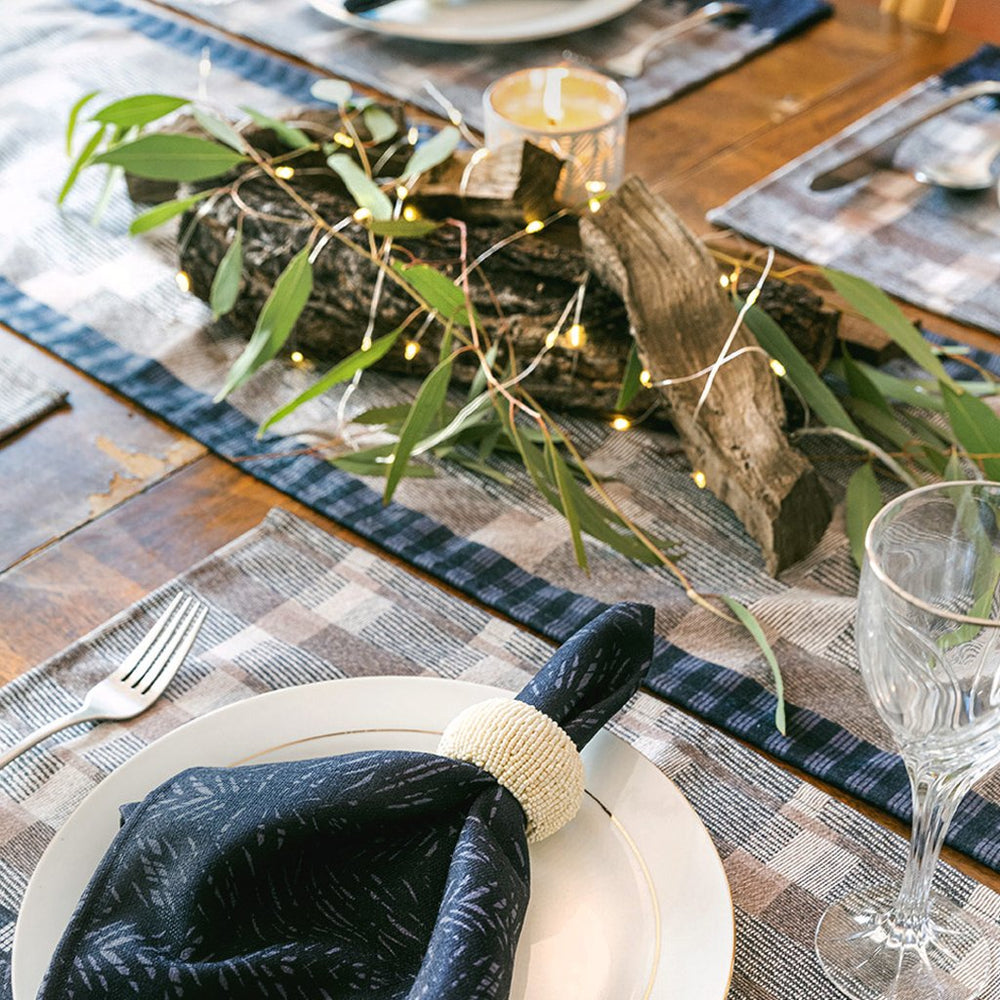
(400, 67)
(108, 303)
(938, 249)
(24, 397)
(291, 605)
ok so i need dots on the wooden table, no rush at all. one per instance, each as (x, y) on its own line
(120, 502)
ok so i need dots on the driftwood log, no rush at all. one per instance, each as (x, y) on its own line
(681, 319)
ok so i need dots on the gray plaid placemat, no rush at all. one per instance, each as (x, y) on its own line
(400, 67)
(24, 397)
(935, 248)
(292, 605)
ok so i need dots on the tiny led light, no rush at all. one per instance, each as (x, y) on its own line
(576, 336)
(479, 155)
(621, 423)
(285, 173)
(753, 296)
(534, 226)
(594, 204)
(362, 214)
(297, 357)
(411, 350)
(343, 139)
(183, 280)
(455, 116)
(699, 479)
(724, 280)
(410, 214)
(645, 378)
(550, 340)
(402, 191)
(413, 135)
(596, 187)
(778, 368)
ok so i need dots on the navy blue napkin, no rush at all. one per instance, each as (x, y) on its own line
(388, 875)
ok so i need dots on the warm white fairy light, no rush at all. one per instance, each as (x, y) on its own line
(362, 215)
(576, 336)
(284, 172)
(594, 204)
(550, 340)
(645, 378)
(621, 423)
(183, 280)
(297, 357)
(343, 139)
(724, 280)
(700, 479)
(402, 191)
(413, 135)
(778, 368)
(535, 226)
(411, 350)
(596, 187)
(410, 214)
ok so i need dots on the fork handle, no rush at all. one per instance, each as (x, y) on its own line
(80, 715)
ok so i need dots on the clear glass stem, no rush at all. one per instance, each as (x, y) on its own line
(935, 799)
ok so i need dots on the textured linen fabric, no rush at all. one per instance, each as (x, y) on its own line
(293, 605)
(938, 249)
(24, 397)
(387, 874)
(403, 68)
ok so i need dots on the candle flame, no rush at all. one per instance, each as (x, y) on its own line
(552, 104)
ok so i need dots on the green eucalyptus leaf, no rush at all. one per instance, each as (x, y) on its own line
(332, 91)
(340, 372)
(402, 227)
(365, 192)
(74, 117)
(134, 112)
(85, 158)
(876, 306)
(953, 471)
(437, 290)
(422, 414)
(860, 385)
(630, 380)
(750, 623)
(977, 428)
(889, 426)
(565, 483)
(221, 130)
(478, 385)
(380, 124)
(388, 415)
(165, 211)
(172, 158)
(291, 136)
(429, 154)
(277, 317)
(864, 501)
(375, 461)
(481, 468)
(799, 372)
(923, 393)
(228, 275)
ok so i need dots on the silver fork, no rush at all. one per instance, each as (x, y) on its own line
(141, 678)
(632, 63)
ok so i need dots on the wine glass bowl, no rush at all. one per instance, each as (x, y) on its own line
(928, 637)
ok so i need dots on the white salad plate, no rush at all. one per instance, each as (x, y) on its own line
(629, 900)
(478, 22)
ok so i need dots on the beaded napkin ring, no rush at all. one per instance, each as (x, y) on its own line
(527, 752)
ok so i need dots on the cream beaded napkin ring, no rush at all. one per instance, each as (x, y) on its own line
(528, 753)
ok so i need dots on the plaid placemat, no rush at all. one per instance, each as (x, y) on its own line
(935, 248)
(24, 397)
(400, 67)
(109, 304)
(291, 605)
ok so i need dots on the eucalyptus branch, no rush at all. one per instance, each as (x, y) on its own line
(863, 444)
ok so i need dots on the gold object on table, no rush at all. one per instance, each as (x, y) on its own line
(934, 15)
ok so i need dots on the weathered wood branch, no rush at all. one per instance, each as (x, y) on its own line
(681, 321)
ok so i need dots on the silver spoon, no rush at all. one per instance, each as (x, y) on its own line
(975, 173)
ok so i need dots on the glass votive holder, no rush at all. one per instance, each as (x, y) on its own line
(574, 113)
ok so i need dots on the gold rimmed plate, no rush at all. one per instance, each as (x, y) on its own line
(629, 900)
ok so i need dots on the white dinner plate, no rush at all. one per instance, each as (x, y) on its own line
(629, 901)
(478, 22)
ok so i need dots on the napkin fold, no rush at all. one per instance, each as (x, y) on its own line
(392, 875)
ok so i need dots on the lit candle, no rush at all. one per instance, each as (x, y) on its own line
(577, 114)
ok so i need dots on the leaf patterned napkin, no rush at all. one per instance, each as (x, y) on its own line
(387, 874)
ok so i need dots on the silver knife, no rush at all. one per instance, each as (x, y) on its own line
(880, 155)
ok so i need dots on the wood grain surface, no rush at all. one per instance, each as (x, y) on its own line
(101, 502)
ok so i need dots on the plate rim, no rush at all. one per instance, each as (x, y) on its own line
(366, 690)
(597, 12)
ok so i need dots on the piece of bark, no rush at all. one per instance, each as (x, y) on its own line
(680, 318)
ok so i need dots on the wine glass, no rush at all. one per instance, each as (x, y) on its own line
(928, 635)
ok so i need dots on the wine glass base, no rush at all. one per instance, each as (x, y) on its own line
(867, 957)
